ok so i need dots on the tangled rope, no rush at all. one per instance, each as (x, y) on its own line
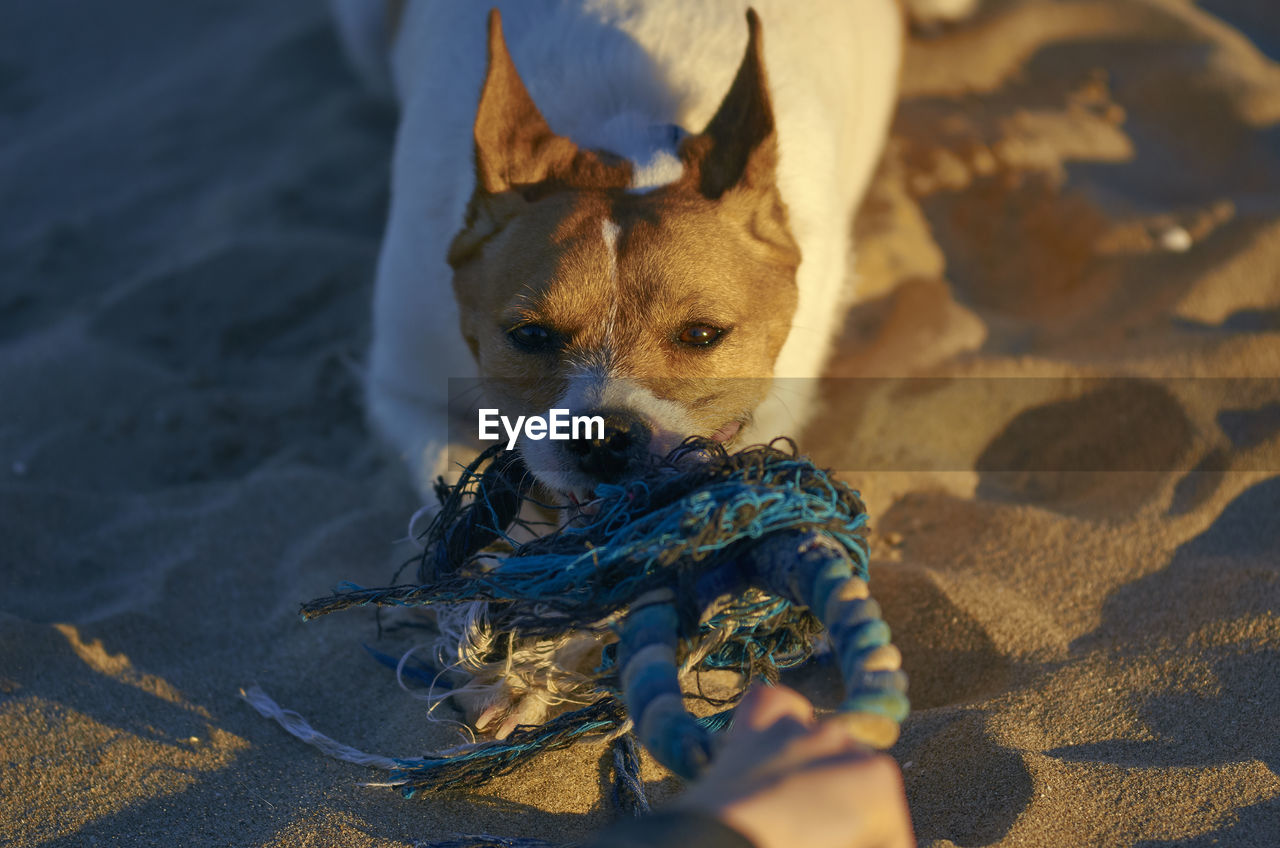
(711, 561)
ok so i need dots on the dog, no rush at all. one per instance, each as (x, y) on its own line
(635, 210)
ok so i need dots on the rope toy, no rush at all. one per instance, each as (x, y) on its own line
(709, 561)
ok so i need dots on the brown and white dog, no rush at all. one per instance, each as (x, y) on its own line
(639, 209)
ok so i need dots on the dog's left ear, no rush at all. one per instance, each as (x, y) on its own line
(514, 145)
(518, 158)
(739, 147)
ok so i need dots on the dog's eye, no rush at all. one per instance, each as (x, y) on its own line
(699, 335)
(534, 338)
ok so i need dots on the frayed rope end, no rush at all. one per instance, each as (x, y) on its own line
(298, 727)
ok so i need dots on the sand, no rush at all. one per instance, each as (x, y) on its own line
(1081, 570)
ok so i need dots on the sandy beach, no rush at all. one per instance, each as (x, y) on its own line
(1070, 304)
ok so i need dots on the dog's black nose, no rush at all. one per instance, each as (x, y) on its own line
(620, 448)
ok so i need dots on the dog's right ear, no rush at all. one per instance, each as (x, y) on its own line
(739, 147)
(517, 156)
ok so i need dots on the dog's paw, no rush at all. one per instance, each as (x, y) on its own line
(509, 710)
(497, 707)
(536, 680)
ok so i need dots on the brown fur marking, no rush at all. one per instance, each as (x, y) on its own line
(712, 248)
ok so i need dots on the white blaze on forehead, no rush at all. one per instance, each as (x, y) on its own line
(610, 231)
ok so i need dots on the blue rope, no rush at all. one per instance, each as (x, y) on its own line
(684, 526)
(488, 760)
(629, 796)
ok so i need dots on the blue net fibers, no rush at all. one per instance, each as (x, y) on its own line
(685, 526)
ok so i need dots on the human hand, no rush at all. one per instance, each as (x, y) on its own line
(784, 779)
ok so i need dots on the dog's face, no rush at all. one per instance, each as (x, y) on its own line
(660, 310)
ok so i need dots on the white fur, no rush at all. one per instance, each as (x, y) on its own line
(619, 75)
(609, 232)
(662, 168)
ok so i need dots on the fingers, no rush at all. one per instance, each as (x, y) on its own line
(831, 735)
(883, 785)
(785, 779)
(765, 706)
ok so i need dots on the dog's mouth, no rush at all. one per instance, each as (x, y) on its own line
(584, 502)
(579, 507)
